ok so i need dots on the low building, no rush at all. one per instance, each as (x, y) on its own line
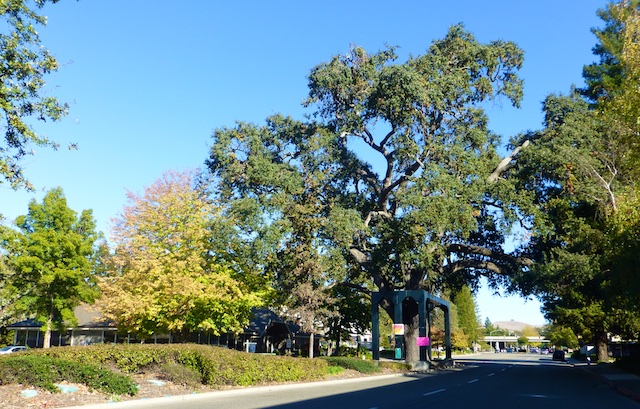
(92, 328)
(266, 332)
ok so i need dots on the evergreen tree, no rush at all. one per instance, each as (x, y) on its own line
(467, 314)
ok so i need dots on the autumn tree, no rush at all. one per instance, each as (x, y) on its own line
(51, 254)
(410, 178)
(24, 65)
(165, 276)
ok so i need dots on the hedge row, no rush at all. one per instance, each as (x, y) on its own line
(106, 367)
(213, 366)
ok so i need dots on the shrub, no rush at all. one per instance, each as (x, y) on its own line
(44, 371)
(105, 367)
(360, 365)
(334, 370)
(177, 373)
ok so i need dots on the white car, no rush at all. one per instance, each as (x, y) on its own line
(12, 348)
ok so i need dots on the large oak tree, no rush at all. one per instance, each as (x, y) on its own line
(407, 169)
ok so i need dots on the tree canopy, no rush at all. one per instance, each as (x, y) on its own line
(406, 170)
(24, 65)
(582, 168)
(164, 277)
(51, 255)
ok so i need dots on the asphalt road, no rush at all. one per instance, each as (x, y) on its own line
(519, 381)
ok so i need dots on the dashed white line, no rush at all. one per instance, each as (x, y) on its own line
(473, 380)
(491, 374)
(434, 392)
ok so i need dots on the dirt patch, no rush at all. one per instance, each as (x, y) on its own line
(12, 397)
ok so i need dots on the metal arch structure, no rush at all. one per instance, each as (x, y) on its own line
(424, 301)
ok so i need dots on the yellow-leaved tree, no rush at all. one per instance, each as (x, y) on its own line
(164, 276)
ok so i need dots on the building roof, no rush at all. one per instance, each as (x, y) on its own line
(88, 318)
(263, 318)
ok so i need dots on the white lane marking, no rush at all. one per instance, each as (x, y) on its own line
(491, 374)
(473, 380)
(434, 392)
(503, 369)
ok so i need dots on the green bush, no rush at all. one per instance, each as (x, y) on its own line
(186, 364)
(44, 371)
(179, 374)
(334, 370)
(190, 363)
(356, 364)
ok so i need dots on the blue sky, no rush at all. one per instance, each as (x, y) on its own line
(148, 81)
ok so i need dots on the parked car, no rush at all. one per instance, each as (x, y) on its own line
(558, 355)
(12, 348)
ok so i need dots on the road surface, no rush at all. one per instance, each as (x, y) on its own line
(522, 381)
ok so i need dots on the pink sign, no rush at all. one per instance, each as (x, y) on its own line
(423, 341)
(398, 329)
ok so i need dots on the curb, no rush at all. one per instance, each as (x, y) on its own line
(142, 403)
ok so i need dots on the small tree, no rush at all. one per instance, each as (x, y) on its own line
(164, 276)
(523, 341)
(52, 254)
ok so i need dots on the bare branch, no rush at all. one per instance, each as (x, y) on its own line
(476, 264)
(483, 251)
(504, 164)
(359, 256)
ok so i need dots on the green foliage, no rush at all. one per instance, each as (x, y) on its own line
(51, 256)
(24, 63)
(356, 364)
(561, 336)
(433, 213)
(215, 366)
(335, 370)
(466, 309)
(582, 169)
(604, 78)
(44, 371)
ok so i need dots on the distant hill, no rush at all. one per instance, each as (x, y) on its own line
(512, 325)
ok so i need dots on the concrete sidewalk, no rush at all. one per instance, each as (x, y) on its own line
(625, 383)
